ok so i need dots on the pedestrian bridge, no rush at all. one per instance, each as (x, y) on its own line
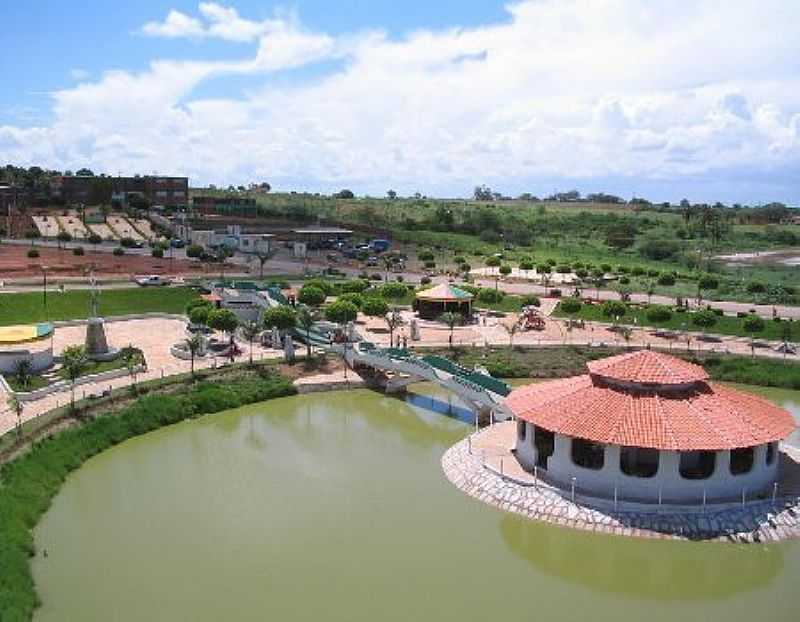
(478, 389)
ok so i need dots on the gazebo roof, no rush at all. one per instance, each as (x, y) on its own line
(444, 292)
(25, 333)
(645, 411)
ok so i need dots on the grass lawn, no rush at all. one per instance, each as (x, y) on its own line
(725, 325)
(28, 307)
(34, 383)
(96, 367)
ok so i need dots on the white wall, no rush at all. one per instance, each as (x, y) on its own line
(721, 486)
(40, 360)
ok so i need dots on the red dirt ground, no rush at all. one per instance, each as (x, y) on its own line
(14, 263)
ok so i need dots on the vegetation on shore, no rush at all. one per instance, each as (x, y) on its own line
(29, 483)
(563, 361)
(28, 307)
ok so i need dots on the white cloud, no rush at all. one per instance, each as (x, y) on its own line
(566, 90)
(79, 74)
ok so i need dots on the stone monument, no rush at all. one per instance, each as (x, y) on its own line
(97, 348)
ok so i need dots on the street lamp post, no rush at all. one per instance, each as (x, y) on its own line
(44, 286)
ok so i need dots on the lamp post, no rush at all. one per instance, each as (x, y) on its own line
(44, 286)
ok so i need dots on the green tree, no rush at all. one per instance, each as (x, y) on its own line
(199, 315)
(226, 321)
(374, 307)
(752, 324)
(74, 361)
(133, 359)
(250, 331)
(341, 312)
(23, 372)
(283, 318)
(311, 296)
(451, 320)
(194, 251)
(194, 345)
(306, 319)
(705, 319)
(16, 406)
(394, 320)
(614, 308)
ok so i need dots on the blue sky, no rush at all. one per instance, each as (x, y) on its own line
(652, 98)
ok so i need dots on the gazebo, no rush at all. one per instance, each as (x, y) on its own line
(649, 427)
(32, 343)
(431, 303)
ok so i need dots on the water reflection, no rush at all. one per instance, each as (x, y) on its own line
(648, 569)
(446, 405)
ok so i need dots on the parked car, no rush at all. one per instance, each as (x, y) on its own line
(177, 243)
(151, 280)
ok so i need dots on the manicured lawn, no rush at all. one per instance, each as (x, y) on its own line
(725, 325)
(34, 383)
(28, 307)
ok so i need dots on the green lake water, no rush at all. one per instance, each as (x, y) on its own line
(334, 507)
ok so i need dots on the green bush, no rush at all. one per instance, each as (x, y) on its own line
(564, 269)
(637, 271)
(529, 300)
(355, 286)
(393, 291)
(659, 313)
(119, 251)
(704, 318)
(325, 286)
(33, 253)
(341, 312)
(375, 307)
(158, 253)
(666, 279)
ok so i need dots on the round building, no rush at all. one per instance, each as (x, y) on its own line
(649, 427)
(32, 343)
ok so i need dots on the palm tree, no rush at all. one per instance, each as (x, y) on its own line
(194, 344)
(452, 320)
(250, 331)
(16, 406)
(306, 319)
(74, 361)
(512, 330)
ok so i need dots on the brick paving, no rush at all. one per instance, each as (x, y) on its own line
(474, 466)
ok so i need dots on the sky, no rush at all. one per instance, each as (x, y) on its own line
(653, 98)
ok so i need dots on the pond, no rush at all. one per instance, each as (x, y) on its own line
(334, 507)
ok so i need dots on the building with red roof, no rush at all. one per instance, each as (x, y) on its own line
(649, 426)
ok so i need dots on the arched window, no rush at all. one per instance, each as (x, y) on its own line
(697, 464)
(772, 451)
(742, 460)
(521, 429)
(638, 461)
(588, 454)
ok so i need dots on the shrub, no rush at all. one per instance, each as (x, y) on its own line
(119, 251)
(356, 285)
(430, 265)
(282, 318)
(529, 300)
(659, 313)
(375, 277)
(624, 280)
(614, 308)
(33, 253)
(325, 286)
(425, 256)
(63, 236)
(490, 296)
(666, 279)
(127, 242)
(756, 288)
(95, 239)
(637, 271)
(707, 282)
(505, 270)
(158, 253)
(194, 251)
(653, 273)
(459, 259)
(623, 269)
(543, 268)
(605, 267)
(753, 324)
(571, 305)
(526, 265)
(659, 249)
(311, 295)
(564, 269)
(77, 251)
(581, 273)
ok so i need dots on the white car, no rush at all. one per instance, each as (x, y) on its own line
(152, 279)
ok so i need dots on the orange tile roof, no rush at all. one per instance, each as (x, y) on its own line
(704, 416)
(648, 367)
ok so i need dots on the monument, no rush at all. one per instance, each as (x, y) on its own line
(97, 348)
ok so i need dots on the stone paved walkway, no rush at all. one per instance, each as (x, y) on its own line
(472, 465)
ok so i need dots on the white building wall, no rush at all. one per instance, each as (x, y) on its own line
(668, 482)
(40, 360)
